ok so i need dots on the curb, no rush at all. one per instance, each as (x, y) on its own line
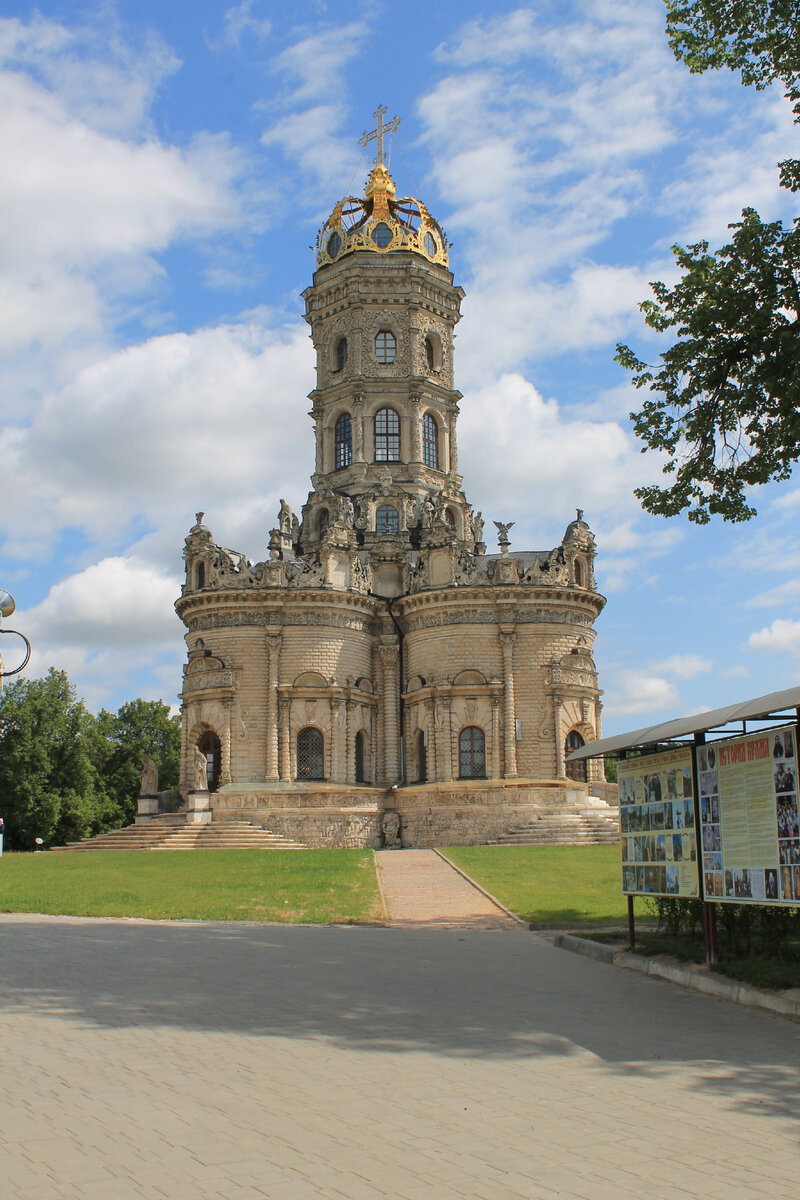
(693, 979)
(482, 890)
(595, 950)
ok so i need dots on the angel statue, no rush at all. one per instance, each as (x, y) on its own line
(502, 537)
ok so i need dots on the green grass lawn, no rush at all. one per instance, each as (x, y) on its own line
(314, 886)
(549, 886)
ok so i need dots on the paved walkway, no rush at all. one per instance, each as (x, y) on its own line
(420, 889)
(237, 1062)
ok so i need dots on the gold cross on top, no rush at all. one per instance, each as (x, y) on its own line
(378, 132)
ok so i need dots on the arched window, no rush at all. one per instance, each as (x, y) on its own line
(430, 442)
(422, 758)
(387, 436)
(450, 517)
(382, 235)
(344, 441)
(310, 754)
(430, 354)
(341, 354)
(323, 522)
(361, 757)
(209, 745)
(387, 519)
(575, 770)
(385, 347)
(471, 753)
(200, 576)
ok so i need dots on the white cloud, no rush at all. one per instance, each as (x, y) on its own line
(785, 593)
(789, 500)
(154, 431)
(89, 197)
(239, 22)
(684, 666)
(640, 691)
(738, 672)
(781, 637)
(542, 462)
(107, 623)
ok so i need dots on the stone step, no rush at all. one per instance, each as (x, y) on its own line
(582, 825)
(171, 832)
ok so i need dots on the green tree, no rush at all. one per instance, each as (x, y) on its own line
(139, 727)
(724, 400)
(49, 786)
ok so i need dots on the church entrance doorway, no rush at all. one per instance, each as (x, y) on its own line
(209, 745)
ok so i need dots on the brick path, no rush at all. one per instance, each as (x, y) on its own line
(235, 1062)
(420, 888)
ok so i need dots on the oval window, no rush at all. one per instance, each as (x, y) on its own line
(382, 235)
(430, 245)
(334, 245)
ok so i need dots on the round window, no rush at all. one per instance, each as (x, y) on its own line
(382, 235)
(334, 245)
(430, 245)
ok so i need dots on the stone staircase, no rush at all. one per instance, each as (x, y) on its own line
(592, 823)
(171, 832)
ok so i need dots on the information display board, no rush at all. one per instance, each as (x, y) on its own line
(659, 847)
(749, 818)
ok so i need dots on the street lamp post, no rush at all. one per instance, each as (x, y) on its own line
(7, 607)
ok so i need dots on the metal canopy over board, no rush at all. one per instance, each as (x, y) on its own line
(773, 705)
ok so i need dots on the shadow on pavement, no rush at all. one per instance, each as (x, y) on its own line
(485, 994)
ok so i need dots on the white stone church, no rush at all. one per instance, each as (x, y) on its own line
(378, 658)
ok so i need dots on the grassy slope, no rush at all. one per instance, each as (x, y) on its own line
(559, 886)
(314, 886)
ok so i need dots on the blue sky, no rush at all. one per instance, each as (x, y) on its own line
(166, 168)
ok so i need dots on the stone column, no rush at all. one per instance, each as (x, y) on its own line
(446, 739)
(507, 638)
(225, 742)
(452, 465)
(337, 755)
(597, 765)
(185, 779)
(389, 655)
(372, 772)
(358, 428)
(319, 461)
(561, 772)
(273, 679)
(284, 751)
(496, 737)
(416, 428)
(350, 742)
(431, 759)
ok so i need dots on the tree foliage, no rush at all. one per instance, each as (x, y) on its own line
(724, 399)
(65, 774)
(139, 727)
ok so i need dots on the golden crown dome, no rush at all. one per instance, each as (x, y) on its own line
(379, 222)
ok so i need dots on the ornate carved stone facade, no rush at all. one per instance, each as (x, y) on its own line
(377, 643)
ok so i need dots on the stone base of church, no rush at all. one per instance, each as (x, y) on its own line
(463, 813)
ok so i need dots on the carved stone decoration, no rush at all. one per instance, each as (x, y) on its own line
(200, 771)
(311, 709)
(149, 783)
(390, 825)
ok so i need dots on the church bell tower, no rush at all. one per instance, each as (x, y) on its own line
(382, 310)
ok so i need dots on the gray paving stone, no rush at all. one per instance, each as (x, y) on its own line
(172, 1061)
